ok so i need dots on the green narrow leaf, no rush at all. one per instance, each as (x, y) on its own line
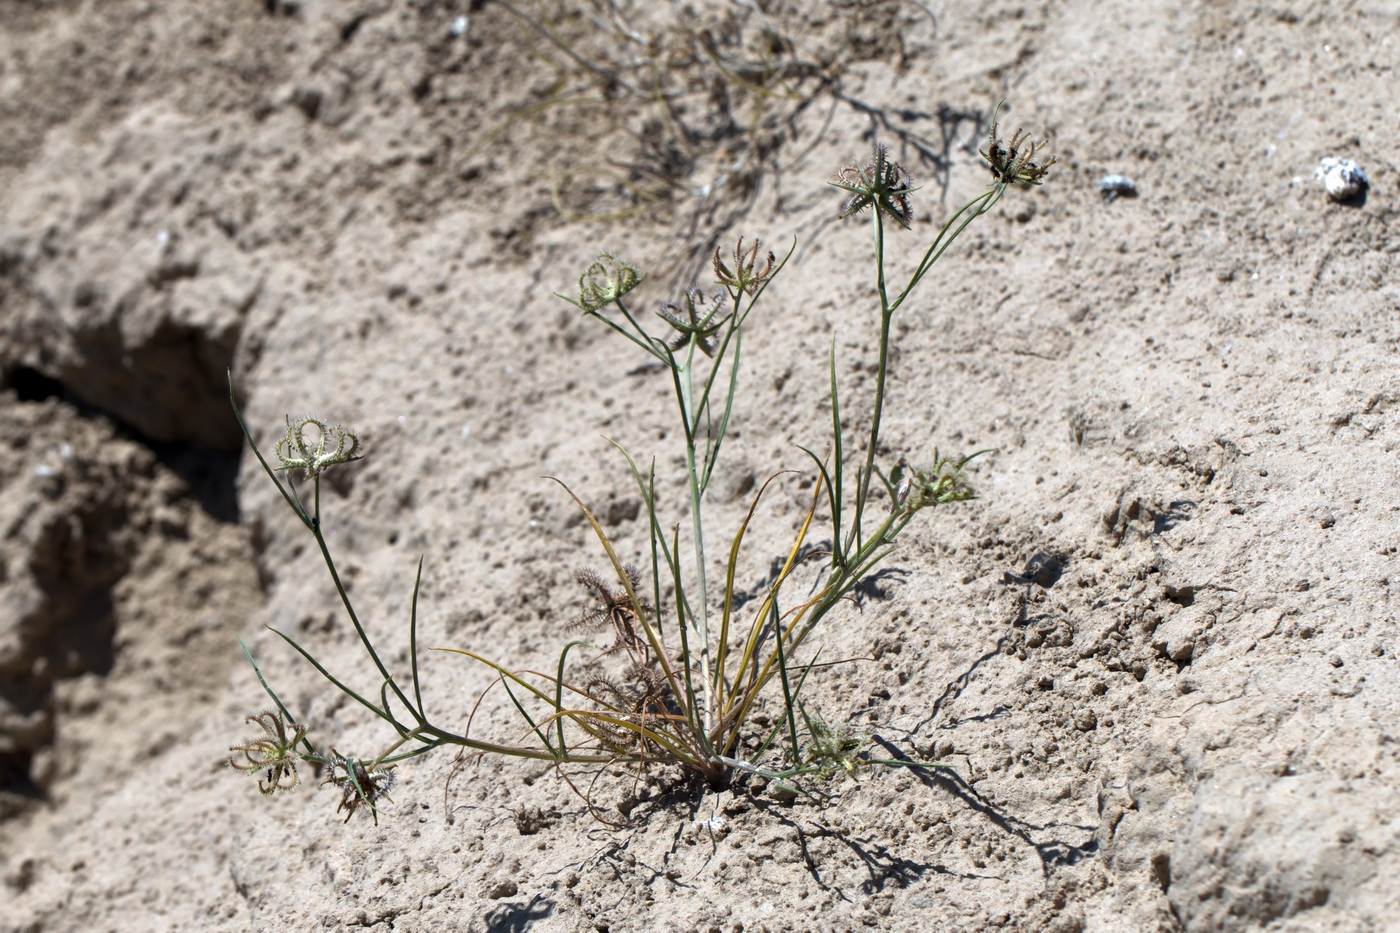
(796, 694)
(383, 714)
(776, 621)
(413, 643)
(559, 690)
(530, 719)
(287, 716)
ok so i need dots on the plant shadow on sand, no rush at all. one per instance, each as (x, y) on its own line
(1052, 852)
(883, 866)
(517, 918)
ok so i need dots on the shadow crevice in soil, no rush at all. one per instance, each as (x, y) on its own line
(86, 497)
(885, 867)
(72, 642)
(210, 475)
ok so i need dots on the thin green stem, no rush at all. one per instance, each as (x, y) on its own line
(345, 599)
(881, 370)
(692, 714)
(406, 737)
(700, 607)
(964, 216)
(950, 231)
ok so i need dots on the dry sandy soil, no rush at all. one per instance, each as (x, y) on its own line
(1159, 653)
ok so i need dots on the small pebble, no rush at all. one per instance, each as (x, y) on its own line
(784, 795)
(1113, 187)
(1342, 178)
(503, 887)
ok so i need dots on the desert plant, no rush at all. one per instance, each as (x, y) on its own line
(696, 681)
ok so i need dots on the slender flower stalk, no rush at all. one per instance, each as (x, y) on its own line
(883, 186)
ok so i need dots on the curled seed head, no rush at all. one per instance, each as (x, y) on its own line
(312, 445)
(272, 756)
(605, 281)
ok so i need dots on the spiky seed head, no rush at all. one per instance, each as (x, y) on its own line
(613, 605)
(359, 784)
(744, 277)
(833, 747)
(697, 315)
(880, 185)
(1015, 161)
(943, 482)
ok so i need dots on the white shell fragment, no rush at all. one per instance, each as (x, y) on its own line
(1113, 187)
(1342, 178)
